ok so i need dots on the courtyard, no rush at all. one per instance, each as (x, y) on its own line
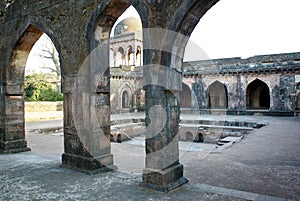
(264, 163)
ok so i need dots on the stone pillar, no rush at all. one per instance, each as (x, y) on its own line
(87, 116)
(12, 128)
(163, 171)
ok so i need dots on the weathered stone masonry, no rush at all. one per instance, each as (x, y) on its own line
(279, 74)
(77, 28)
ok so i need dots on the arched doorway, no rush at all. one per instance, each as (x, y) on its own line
(258, 95)
(217, 96)
(110, 29)
(125, 100)
(15, 89)
(185, 96)
(189, 136)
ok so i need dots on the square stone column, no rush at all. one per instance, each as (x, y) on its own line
(87, 117)
(12, 126)
(163, 171)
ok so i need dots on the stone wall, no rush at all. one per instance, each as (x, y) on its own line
(43, 106)
(277, 71)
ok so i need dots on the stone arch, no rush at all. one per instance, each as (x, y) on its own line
(188, 15)
(183, 22)
(120, 56)
(94, 103)
(200, 137)
(130, 56)
(119, 138)
(125, 99)
(258, 95)
(185, 96)
(128, 89)
(14, 88)
(217, 96)
(138, 56)
(106, 14)
(189, 136)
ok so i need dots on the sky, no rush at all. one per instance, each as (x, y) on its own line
(242, 28)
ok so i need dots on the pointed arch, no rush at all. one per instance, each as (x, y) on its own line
(130, 56)
(125, 94)
(13, 95)
(138, 56)
(106, 14)
(125, 99)
(258, 95)
(185, 96)
(120, 56)
(217, 96)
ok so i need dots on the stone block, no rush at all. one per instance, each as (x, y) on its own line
(163, 180)
(13, 146)
(88, 165)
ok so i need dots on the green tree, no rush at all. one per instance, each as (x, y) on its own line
(38, 88)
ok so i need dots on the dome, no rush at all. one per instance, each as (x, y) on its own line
(128, 25)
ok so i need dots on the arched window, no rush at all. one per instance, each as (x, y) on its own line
(125, 100)
(217, 96)
(130, 56)
(120, 57)
(258, 95)
(138, 56)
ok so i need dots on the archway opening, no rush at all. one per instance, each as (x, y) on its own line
(189, 136)
(130, 56)
(185, 96)
(125, 100)
(119, 28)
(200, 137)
(34, 74)
(258, 95)
(217, 96)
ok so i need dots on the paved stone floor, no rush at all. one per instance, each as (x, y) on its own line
(265, 162)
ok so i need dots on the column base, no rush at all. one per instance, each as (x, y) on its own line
(163, 180)
(15, 146)
(88, 165)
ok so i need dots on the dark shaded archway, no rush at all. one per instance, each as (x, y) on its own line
(258, 95)
(185, 96)
(125, 100)
(217, 96)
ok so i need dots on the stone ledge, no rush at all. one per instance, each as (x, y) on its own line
(163, 180)
(14, 146)
(167, 188)
(88, 165)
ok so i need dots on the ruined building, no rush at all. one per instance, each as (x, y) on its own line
(265, 84)
(80, 31)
